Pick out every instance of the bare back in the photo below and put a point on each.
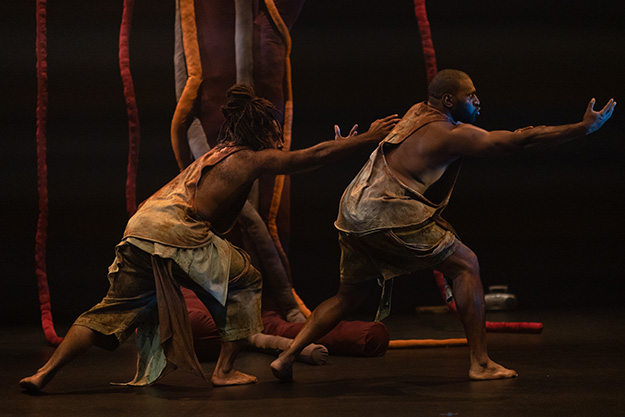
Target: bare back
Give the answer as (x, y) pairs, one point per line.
(223, 189)
(422, 158)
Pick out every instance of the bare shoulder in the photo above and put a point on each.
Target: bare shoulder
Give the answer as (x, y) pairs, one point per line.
(251, 163)
(252, 159)
(456, 138)
(270, 161)
(442, 142)
(433, 137)
(259, 160)
(464, 131)
(239, 166)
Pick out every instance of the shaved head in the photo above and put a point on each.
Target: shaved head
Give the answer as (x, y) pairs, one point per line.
(447, 81)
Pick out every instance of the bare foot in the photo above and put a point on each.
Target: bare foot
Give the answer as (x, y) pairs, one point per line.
(282, 368)
(36, 382)
(489, 371)
(234, 377)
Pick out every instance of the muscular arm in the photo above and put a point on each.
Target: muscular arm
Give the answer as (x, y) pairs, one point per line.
(228, 183)
(272, 161)
(473, 141)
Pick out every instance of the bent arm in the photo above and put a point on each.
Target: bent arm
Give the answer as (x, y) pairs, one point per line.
(473, 141)
(272, 161)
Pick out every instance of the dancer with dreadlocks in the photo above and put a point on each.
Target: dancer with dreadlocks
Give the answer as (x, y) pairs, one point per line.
(174, 240)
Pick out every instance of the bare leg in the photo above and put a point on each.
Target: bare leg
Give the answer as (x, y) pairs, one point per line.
(225, 374)
(77, 341)
(323, 319)
(463, 268)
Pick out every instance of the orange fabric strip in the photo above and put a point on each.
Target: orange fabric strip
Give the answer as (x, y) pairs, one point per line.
(191, 89)
(414, 343)
(288, 87)
(305, 311)
(287, 129)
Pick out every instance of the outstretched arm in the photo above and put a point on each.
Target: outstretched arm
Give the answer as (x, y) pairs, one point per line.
(473, 141)
(272, 161)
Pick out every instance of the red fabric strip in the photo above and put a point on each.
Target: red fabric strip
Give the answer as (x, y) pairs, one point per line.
(131, 108)
(42, 175)
(426, 39)
(491, 326)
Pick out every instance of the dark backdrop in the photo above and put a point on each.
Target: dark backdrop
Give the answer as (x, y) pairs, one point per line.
(547, 224)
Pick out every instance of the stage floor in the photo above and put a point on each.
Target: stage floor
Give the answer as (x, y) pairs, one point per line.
(574, 368)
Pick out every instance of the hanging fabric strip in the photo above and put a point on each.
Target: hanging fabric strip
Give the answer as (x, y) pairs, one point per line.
(288, 122)
(42, 175)
(244, 41)
(131, 108)
(426, 39)
(288, 87)
(198, 144)
(191, 90)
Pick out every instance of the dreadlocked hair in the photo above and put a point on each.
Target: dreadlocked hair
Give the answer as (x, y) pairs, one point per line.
(250, 120)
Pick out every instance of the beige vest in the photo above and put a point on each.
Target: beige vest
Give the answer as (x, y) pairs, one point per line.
(170, 215)
(376, 199)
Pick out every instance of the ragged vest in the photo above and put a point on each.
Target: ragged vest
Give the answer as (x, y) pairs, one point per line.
(376, 199)
(170, 215)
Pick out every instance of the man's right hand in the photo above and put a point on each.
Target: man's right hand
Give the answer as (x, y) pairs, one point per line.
(593, 120)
